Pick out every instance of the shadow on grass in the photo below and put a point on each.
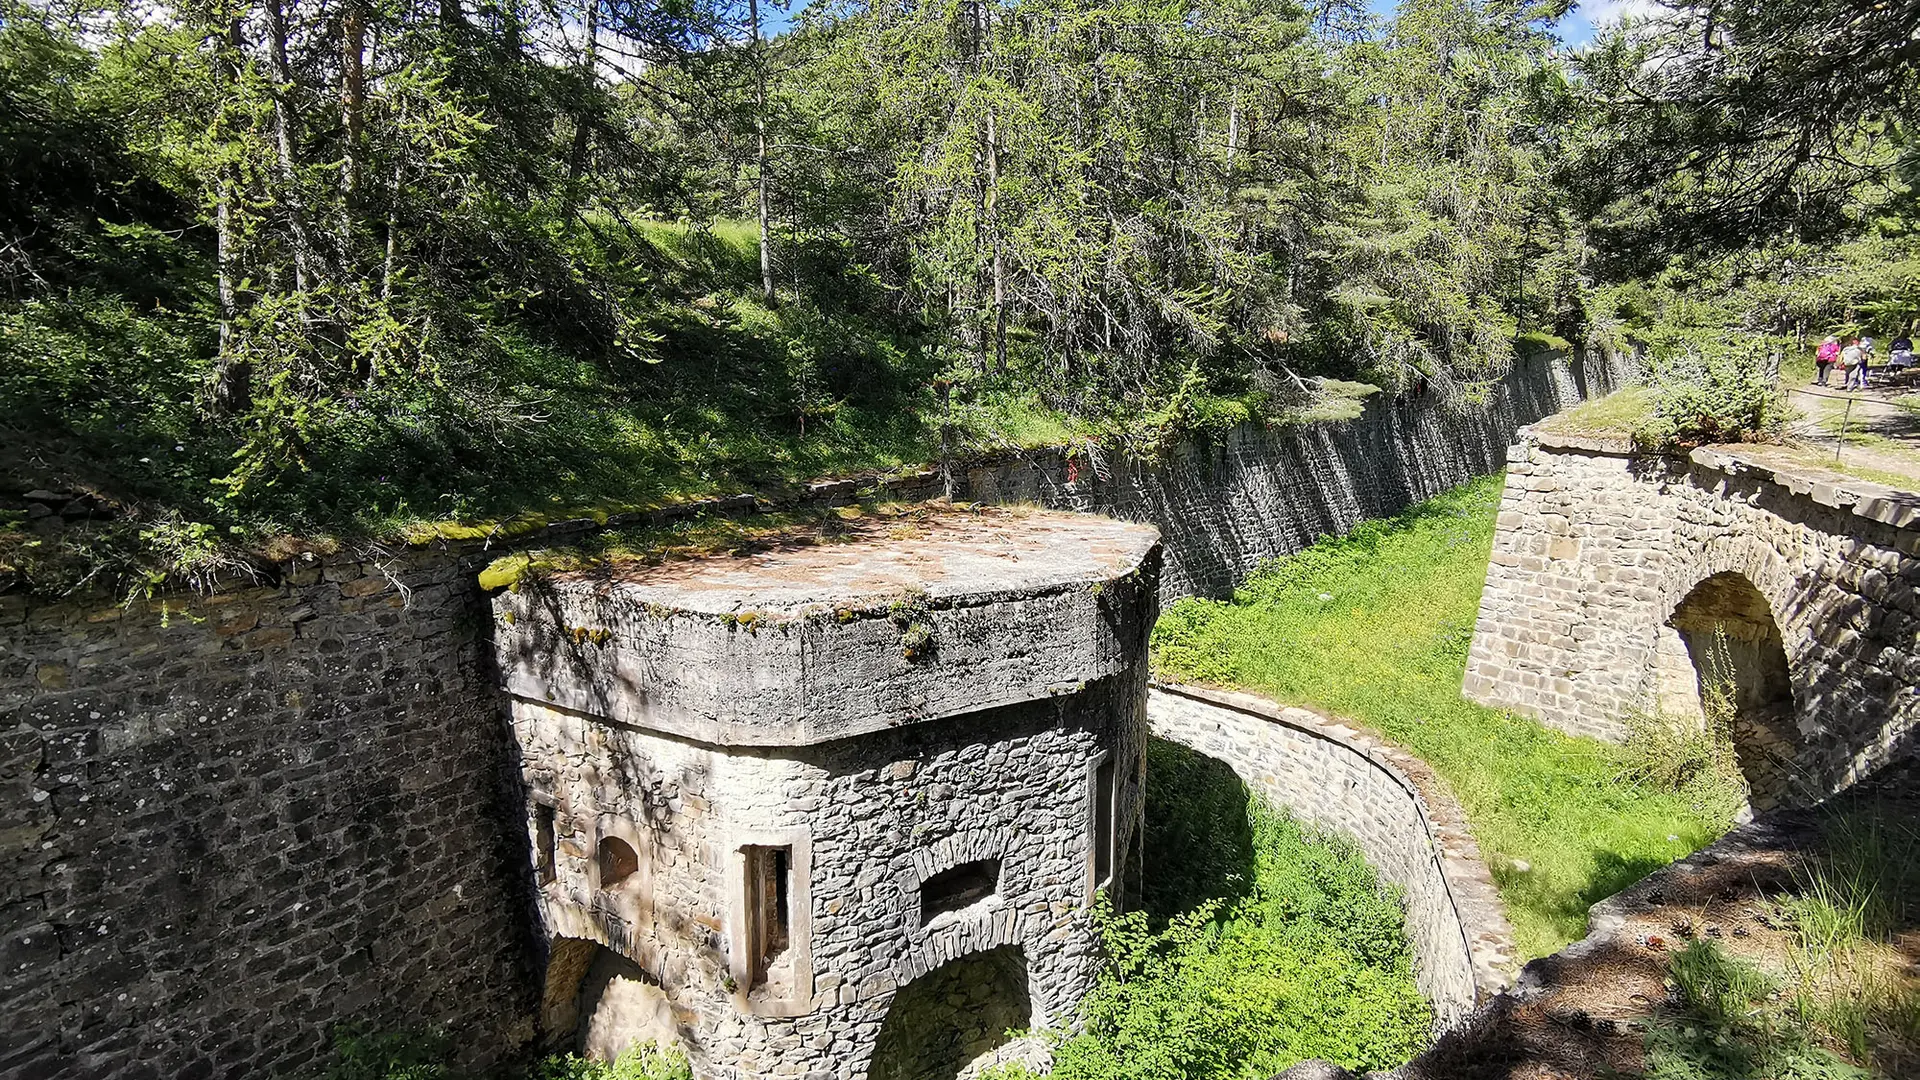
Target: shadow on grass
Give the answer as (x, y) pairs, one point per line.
(1199, 839)
(1566, 907)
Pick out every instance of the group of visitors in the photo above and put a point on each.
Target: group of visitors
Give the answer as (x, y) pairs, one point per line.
(1856, 357)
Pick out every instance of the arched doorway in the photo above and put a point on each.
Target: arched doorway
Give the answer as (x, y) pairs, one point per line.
(1721, 658)
(953, 1017)
(598, 1003)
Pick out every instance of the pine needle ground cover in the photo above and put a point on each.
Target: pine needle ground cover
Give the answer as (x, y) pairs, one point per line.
(1375, 626)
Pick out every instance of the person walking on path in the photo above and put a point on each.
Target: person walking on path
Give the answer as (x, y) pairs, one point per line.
(1824, 360)
(1854, 359)
(1900, 353)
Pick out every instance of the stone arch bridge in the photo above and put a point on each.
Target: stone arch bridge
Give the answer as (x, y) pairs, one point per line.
(1730, 582)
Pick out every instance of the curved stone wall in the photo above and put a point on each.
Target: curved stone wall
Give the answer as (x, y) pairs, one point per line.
(1605, 560)
(1388, 802)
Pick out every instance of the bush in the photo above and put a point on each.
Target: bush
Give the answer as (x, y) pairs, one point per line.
(1719, 394)
(1298, 953)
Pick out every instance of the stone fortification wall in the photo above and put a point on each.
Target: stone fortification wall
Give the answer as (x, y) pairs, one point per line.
(1615, 577)
(230, 822)
(233, 822)
(877, 815)
(1223, 506)
(1392, 806)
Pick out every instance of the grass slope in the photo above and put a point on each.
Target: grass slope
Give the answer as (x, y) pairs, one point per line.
(1375, 626)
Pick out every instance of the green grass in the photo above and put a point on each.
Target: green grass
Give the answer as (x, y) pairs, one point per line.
(425, 1055)
(1260, 943)
(1375, 627)
(1627, 411)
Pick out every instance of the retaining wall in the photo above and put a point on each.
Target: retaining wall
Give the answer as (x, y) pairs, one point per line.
(231, 823)
(1598, 547)
(1388, 802)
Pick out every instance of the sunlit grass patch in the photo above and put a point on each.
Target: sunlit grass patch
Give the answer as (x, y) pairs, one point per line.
(1627, 411)
(1375, 626)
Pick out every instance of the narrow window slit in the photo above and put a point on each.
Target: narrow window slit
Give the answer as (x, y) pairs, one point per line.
(957, 888)
(1103, 823)
(544, 860)
(769, 916)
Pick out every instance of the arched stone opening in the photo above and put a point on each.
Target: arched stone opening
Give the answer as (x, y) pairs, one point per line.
(598, 1003)
(1721, 654)
(950, 1022)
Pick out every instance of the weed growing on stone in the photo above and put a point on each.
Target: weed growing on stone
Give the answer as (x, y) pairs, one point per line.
(418, 1055)
(1692, 756)
(641, 1063)
(1375, 626)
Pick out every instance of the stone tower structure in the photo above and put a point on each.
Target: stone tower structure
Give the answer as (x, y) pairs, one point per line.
(840, 807)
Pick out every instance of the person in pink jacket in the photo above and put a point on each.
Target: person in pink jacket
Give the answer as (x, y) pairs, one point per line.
(1824, 360)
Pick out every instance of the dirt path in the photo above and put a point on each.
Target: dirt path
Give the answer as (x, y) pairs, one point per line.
(1872, 434)
(1586, 1011)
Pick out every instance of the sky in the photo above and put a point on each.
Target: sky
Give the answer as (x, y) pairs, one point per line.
(1579, 25)
(1576, 29)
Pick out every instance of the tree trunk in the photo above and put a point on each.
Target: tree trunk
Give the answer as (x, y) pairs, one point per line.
(393, 218)
(304, 274)
(1233, 125)
(353, 99)
(999, 249)
(583, 119)
(233, 376)
(760, 149)
(983, 53)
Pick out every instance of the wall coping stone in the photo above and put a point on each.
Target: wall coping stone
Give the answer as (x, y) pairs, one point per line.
(1888, 505)
(1483, 919)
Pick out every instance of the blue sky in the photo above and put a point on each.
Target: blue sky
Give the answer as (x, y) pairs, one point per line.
(1577, 28)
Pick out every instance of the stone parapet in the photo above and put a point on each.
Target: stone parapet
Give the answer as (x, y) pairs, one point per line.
(1388, 802)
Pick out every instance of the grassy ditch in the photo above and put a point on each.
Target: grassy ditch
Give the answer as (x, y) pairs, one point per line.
(1375, 626)
(362, 1055)
(1261, 943)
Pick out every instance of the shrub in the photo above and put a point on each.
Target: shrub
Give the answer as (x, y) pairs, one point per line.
(1298, 952)
(1718, 394)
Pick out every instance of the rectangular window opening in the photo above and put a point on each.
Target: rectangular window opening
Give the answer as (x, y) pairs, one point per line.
(957, 888)
(769, 918)
(1103, 779)
(543, 843)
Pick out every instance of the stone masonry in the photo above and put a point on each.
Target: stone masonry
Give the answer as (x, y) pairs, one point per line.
(825, 772)
(229, 823)
(1388, 802)
(302, 785)
(1621, 582)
